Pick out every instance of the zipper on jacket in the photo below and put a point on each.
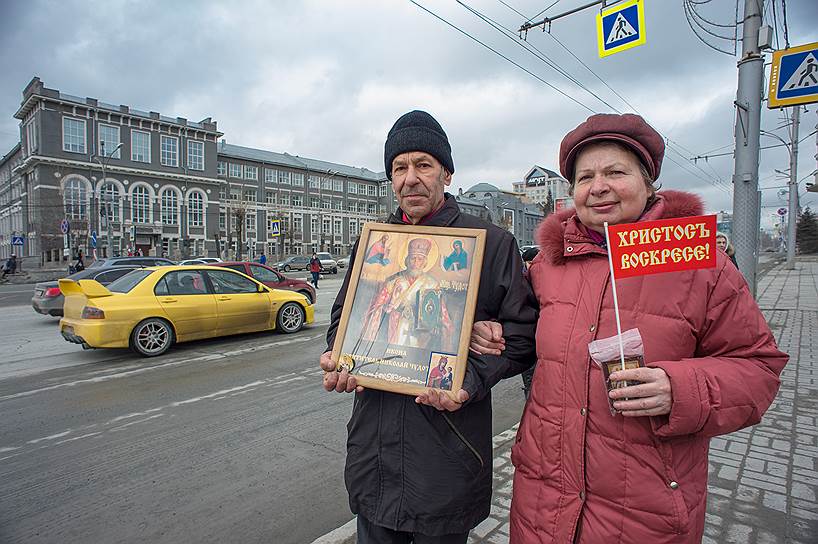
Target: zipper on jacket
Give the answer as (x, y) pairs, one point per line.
(464, 440)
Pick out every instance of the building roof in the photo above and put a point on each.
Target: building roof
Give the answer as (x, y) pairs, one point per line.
(483, 188)
(294, 161)
(540, 172)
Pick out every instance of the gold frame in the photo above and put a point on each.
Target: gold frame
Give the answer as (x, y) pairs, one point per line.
(378, 279)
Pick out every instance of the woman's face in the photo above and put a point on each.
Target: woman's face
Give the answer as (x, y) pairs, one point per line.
(608, 186)
(721, 243)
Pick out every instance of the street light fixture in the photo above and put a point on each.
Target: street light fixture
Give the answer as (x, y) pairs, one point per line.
(108, 216)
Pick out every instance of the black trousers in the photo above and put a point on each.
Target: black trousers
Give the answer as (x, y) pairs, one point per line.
(369, 533)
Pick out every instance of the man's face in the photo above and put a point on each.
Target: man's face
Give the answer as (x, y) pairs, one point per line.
(419, 180)
(415, 263)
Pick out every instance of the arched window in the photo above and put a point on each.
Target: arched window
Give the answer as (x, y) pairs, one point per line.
(195, 210)
(170, 207)
(140, 204)
(75, 199)
(109, 201)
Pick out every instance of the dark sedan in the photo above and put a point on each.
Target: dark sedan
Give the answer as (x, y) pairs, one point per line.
(269, 277)
(48, 299)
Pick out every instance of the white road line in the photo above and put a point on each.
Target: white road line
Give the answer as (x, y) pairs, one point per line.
(160, 366)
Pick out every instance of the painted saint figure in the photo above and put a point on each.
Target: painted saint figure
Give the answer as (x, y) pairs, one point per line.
(397, 304)
(457, 259)
(438, 373)
(378, 253)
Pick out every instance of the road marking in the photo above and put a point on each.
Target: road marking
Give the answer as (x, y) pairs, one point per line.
(161, 366)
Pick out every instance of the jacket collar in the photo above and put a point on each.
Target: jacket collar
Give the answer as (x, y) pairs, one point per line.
(443, 217)
(562, 236)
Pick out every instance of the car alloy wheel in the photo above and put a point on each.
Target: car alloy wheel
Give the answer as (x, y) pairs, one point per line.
(152, 337)
(290, 318)
(286, 268)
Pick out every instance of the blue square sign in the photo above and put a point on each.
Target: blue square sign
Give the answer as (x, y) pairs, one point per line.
(794, 76)
(620, 27)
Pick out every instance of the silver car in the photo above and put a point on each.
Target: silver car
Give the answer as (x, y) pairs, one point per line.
(48, 299)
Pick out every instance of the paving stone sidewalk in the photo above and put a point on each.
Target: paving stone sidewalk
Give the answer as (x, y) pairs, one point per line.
(763, 480)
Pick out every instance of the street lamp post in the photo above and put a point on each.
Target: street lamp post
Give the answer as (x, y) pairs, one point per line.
(108, 216)
(792, 211)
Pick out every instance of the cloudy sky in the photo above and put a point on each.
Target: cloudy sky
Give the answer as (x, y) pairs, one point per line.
(327, 78)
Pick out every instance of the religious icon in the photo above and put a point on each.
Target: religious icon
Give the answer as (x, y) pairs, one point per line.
(410, 305)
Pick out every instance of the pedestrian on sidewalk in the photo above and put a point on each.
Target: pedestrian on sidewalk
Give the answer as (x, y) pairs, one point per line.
(11, 265)
(419, 469)
(315, 269)
(723, 243)
(262, 259)
(582, 474)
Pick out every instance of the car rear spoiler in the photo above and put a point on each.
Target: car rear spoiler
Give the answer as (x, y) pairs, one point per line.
(89, 288)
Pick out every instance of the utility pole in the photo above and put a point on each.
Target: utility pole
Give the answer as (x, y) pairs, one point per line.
(746, 199)
(793, 207)
(109, 216)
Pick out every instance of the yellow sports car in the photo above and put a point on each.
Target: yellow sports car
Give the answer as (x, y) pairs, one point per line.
(150, 309)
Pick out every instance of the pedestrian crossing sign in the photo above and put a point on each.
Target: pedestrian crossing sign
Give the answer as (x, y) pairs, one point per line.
(620, 27)
(794, 76)
(275, 227)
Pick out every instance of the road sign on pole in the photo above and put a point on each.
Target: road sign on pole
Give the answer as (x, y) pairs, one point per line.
(782, 211)
(93, 240)
(65, 226)
(794, 76)
(16, 239)
(275, 227)
(620, 27)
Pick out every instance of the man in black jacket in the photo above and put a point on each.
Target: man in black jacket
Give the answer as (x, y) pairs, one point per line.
(420, 469)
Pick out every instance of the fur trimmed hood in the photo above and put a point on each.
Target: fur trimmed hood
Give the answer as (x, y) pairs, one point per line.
(561, 228)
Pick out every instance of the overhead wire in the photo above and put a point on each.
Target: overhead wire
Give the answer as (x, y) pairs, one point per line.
(692, 22)
(718, 180)
(526, 70)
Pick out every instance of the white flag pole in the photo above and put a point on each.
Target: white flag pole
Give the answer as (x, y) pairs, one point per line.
(616, 301)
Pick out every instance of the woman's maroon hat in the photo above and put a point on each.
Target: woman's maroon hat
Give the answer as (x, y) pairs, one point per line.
(628, 129)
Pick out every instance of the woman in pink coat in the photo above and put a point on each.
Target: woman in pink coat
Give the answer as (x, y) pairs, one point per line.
(712, 365)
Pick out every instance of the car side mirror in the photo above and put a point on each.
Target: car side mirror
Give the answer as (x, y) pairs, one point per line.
(261, 289)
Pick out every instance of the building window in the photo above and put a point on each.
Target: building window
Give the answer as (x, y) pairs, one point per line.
(326, 204)
(372, 209)
(140, 146)
(108, 140)
(223, 192)
(298, 224)
(353, 188)
(31, 137)
(382, 189)
(283, 177)
(371, 190)
(315, 182)
(270, 175)
(235, 194)
(285, 199)
(250, 195)
(140, 204)
(338, 185)
(326, 184)
(298, 179)
(338, 204)
(250, 222)
(313, 225)
(251, 172)
(235, 170)
(73, 135)
(315, 203)
(75, 198)
(297, 201)
(338, 227)
(169, 150)
(221, 168)
(327, 225)
(170, 207)
(195, 155)
(353, 228)
(222, 220)
(195, 210)
(110, 201)
(270, 197)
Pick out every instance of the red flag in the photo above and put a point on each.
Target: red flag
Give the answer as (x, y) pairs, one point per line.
(668, 245)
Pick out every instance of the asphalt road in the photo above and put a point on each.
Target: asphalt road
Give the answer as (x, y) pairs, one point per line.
(224, 440)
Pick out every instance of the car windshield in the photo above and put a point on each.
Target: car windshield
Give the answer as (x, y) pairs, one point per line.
(324, 255)
(128, 281)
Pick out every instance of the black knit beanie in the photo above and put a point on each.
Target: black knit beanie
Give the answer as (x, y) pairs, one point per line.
(417, 131)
